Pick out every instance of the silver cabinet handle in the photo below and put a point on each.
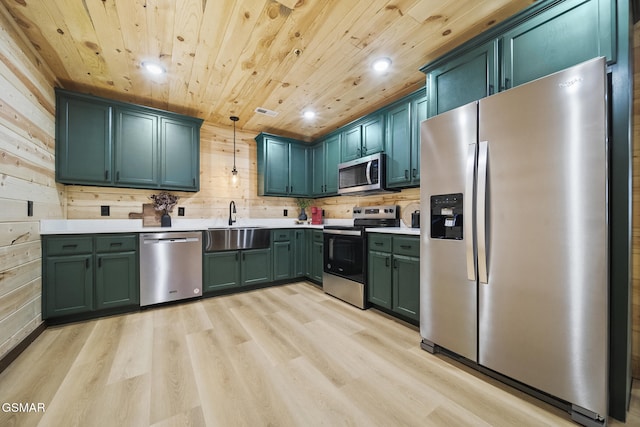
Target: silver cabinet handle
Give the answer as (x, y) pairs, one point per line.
(483, 158)
(468, 202)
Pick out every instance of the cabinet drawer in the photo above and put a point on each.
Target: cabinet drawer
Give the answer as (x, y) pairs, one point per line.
(380, 242)
(409, 246)
(280, 235)
(119, 243)
(317, 236)
(69, 245)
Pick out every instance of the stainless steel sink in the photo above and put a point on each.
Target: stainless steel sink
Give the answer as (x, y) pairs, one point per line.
(233, 238)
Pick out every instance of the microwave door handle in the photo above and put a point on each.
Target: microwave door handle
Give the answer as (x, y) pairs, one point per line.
(369, 180)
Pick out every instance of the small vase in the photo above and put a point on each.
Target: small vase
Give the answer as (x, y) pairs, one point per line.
(165, 220)
(303, 215)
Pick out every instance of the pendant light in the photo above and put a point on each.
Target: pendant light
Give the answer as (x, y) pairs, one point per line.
(234, 171)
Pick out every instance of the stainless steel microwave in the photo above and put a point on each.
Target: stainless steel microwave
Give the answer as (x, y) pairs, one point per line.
(363, 175)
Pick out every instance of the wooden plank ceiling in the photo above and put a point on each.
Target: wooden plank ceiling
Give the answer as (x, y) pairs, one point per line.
(228, 57)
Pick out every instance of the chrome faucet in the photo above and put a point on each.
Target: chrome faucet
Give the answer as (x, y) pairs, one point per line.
(232, 209)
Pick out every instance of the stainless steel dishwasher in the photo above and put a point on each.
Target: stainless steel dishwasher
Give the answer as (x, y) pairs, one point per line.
(170, 266)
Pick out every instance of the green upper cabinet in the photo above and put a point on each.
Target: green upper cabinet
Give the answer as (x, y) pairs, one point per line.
(83, 141)
(363, 138)
(317, 170)
(298, 170)
(403, 140)
(547, 37)
(463, 79)
(136, 148)
(179, 154)
(325, 157)
(110, 143)
(570, 33)
(282, 166)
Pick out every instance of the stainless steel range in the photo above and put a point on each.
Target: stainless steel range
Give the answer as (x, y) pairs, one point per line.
(345, 253)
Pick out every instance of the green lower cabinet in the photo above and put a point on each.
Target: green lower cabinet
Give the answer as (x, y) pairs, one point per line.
(393, 274)
(255, 266)
(221, 270)
(83, 274)
(406, 292)
(68, 285)
(380, 279)
(282, 266)
(299, 253)
(317, 257)
(115, 273)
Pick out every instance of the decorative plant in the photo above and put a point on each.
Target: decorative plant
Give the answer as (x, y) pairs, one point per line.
(303, 203)
(164, 201)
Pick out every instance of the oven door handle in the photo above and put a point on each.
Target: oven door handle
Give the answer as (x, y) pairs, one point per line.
(357, 233)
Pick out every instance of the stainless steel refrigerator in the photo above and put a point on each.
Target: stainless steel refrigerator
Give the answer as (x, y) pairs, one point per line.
(514, 250)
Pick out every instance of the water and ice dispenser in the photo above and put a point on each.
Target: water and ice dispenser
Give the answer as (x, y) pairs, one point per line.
(446, 216)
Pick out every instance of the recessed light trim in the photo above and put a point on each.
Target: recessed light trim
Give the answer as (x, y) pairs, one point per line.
(381, 65)
(308, 114)
(153, 68)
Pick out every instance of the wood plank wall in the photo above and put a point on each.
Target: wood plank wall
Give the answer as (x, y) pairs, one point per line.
(635, 352)
(27, 126)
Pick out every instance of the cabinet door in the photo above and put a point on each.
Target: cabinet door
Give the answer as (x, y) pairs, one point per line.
(379, 278)
(331, 161)
(277, 167)
(372, 136)
(406, 286)
(317, 170)
(351, 144)
(298, 171)
(462, 80)
(136, 148)
(256, 266)
(117, 280)
(572, 32)
(317, 259)
(418, 114)
(221, 270)
(399, 145)
(68, 288)
(299, 253)
(180, 155)
(83, 141)
(282, 260)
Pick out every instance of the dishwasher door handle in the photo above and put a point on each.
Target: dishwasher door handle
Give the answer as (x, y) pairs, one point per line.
(172, 240)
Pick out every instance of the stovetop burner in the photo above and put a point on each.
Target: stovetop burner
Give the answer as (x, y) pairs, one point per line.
(371, 217)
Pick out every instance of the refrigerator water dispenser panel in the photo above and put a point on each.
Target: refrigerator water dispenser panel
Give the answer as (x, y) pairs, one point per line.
(446, 216)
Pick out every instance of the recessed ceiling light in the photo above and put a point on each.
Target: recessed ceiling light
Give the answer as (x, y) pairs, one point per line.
(309, 114)
(153, 67)
(381, 64)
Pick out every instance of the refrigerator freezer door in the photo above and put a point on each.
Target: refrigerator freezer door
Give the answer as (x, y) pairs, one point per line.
(448, 299)
(543, 313)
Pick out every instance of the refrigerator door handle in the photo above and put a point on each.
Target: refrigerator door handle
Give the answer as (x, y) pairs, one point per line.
(468, 202)
(481, 212)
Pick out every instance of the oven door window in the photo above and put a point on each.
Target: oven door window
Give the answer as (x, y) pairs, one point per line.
(343, 256)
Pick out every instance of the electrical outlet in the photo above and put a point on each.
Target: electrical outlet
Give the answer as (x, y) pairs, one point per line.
(180, 211)
(29, 208)
(285, 212)
(105, 211)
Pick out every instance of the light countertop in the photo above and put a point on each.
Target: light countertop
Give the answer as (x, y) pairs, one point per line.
(395, 230)
(92, 226)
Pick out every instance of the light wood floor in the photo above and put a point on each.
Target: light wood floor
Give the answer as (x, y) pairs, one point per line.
(283, 356)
